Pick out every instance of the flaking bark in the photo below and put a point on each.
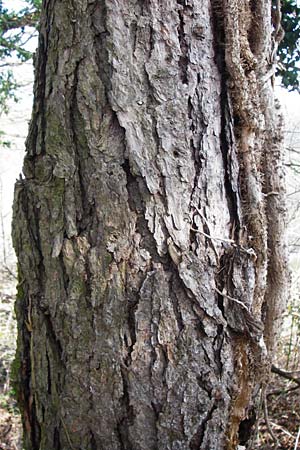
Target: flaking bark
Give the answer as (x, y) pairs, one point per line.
(150, 248)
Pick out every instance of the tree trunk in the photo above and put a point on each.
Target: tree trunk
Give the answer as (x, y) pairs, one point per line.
(149, 226)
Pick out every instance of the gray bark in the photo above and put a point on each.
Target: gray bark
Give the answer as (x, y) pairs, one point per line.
(148, 227)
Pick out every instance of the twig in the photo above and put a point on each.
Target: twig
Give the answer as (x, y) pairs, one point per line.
(231, 298)
(268, 194)
(214, 238)
(209, 236)
(11, 273)
(297, 439)
(281, 428)
(266, 417)
(5, 432)
(232, 242)
(285, 391)
(66, 432)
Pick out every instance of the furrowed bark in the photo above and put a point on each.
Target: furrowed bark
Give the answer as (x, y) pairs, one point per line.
(145, 226)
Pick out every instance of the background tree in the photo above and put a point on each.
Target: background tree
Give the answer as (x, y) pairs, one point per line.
(149, 226)
(289, 47)
(13, 39)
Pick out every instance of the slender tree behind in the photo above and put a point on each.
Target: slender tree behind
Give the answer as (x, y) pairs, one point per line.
(149, 226)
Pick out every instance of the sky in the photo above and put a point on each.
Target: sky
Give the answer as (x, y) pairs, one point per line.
(14, 4)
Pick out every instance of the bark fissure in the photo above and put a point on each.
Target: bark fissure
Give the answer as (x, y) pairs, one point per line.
(184, 58)
(101, 35)
(56, 439)
(176, 303)
(48, 374)
(79, 155)
(197, 439)
(128, 418)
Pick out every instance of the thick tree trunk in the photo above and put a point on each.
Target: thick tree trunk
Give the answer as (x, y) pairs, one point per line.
(148, 227)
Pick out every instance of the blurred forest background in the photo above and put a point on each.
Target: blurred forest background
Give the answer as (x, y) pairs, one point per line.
(279, 424)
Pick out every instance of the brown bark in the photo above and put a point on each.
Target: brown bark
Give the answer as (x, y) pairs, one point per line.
(149, 242)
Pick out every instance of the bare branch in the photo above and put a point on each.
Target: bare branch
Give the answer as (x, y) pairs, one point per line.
(266, 417)
(283, 391)
(285, 374)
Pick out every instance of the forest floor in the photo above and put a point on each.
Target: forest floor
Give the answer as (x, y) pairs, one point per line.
(279, 432)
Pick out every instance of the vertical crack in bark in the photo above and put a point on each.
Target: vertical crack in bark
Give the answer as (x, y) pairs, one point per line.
(56, 439)
(134, 202)
(41, 94)
(37, 129)
(197, 439)
(228, 148)
(154, 130)
(133, 33)
(79, 156)
(132, 187)
(154, 347)
(184, 58)
(93, 441)
(175, 283)
(132, 332)
(35, 432)
(99, 24)
(195, 149)
(49, 382)
(226, 137)
(38, 123)
(217, 346)
(129, 416)
(53, 339)
(151, 40)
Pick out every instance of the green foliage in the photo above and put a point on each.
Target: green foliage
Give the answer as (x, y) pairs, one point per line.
(4, 142)
(289, 48)
(8, 87)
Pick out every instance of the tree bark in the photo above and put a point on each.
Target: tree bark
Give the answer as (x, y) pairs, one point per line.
(149, 226)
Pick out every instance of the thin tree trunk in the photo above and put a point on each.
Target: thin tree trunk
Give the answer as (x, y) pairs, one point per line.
(148, 227)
